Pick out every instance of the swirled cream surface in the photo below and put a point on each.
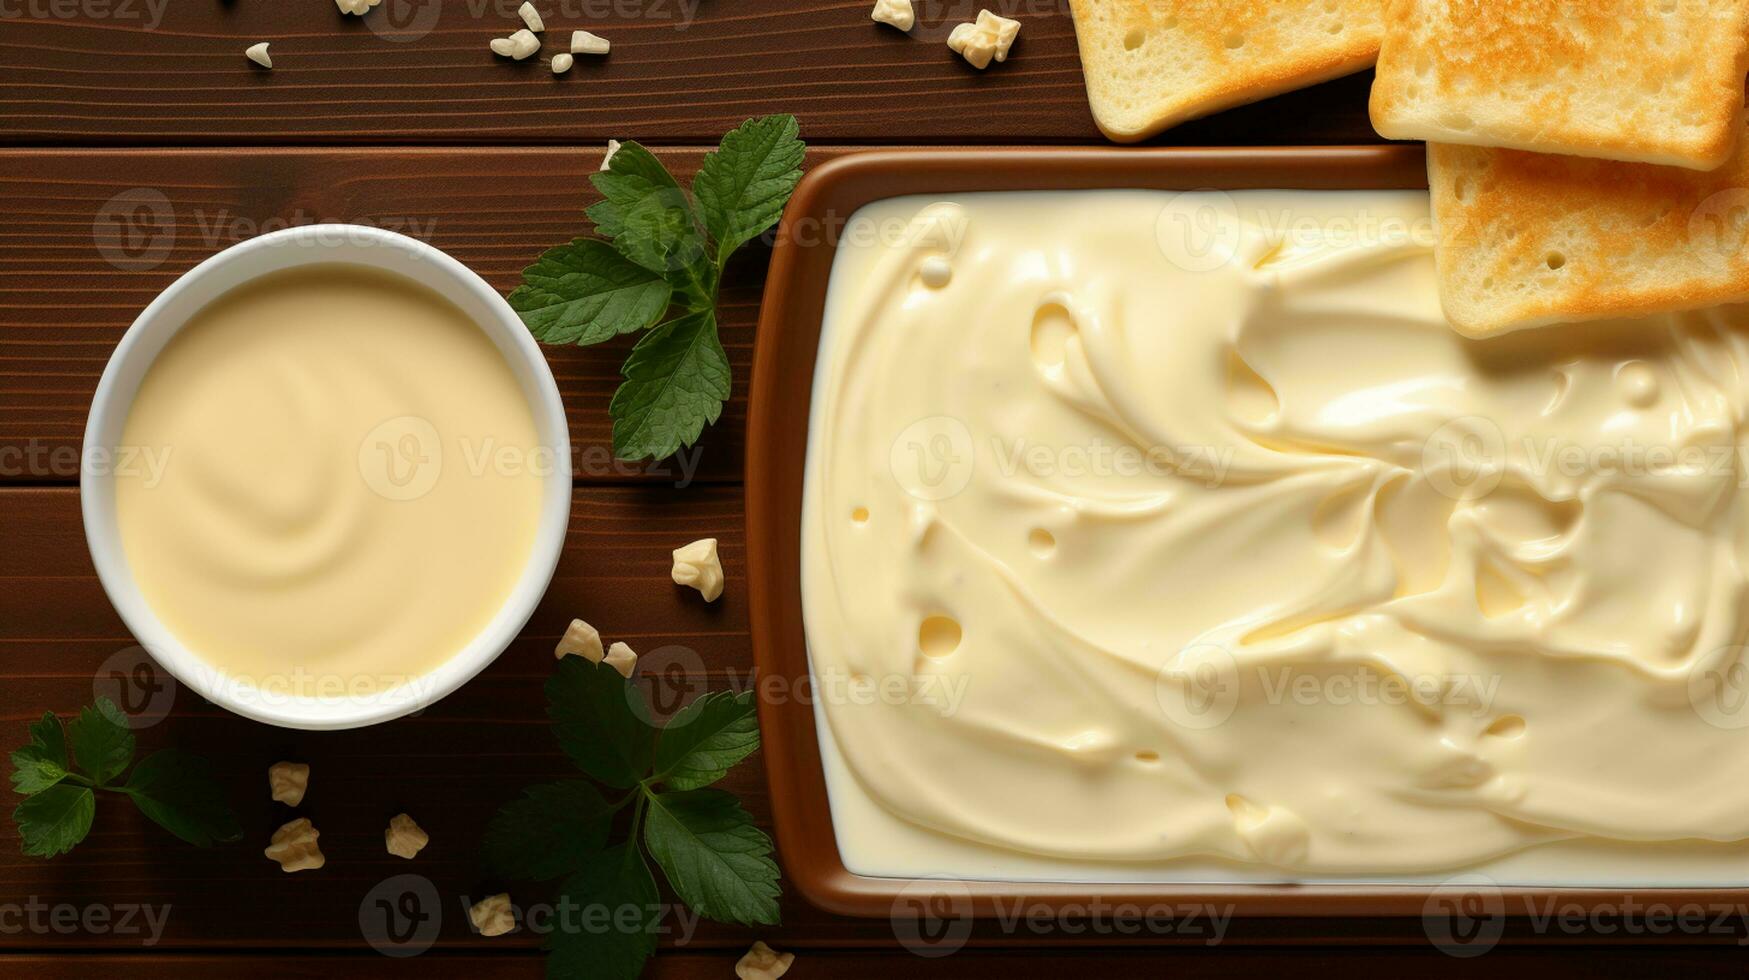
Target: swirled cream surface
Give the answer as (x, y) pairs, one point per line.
(346, 492)
(1154, 536)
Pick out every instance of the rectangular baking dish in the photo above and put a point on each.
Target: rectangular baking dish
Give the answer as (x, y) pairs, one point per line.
(785, 355)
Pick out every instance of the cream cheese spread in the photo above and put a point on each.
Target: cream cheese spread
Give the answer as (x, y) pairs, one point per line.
(1148, 531)
(350, 487)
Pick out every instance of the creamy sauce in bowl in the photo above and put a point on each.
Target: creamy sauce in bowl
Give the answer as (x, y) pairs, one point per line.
(348, 485)
(1149, 535)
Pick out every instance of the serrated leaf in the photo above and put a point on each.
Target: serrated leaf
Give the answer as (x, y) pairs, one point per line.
(648, 215)
(595, 723)
(663, 236)
(177, 791)
(613, 932)
(676, 381)
(54, 820)
(717, 861)
(43, 762)
(586, 292)
(743, 185)
(633, 174)
(549, 833)
(103, 745)
(705, 739)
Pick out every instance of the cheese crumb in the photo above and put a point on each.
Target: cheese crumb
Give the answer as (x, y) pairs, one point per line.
(258, 54)
(763, 963)
(531, 17)
(294, 847)
(357, 8)
(580, 640)
(989, 38)
(697, 565)
(404, 838)
(1004, 29)
(519, 45)
(493, 915)
(621, 658)
(288, 781)
(898, 13)
(583, 42)
(562, 63)
(612, 148)
(973, 44)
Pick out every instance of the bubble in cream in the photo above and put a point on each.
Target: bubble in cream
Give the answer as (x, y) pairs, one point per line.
(935, 272)
(1638, 385)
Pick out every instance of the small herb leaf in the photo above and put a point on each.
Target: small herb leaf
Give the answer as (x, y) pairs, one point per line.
(586, 292)
(648, 214)
(54, 820)
(677, 376)
(632, 175)
(549, 833)
(705, 739)
(102, 743)
(43, 762)
(177, 791)
(717, 861)
(744, 184)
(616, 931)
(661, 235)
(594, 722)
(676, 381)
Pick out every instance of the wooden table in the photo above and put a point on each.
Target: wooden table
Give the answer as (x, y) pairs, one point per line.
(135, 140)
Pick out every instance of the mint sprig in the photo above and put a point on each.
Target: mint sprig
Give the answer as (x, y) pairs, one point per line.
(61, 771)
(660, 266)
(704, 842)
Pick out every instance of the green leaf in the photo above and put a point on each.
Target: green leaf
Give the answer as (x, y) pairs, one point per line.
(43, 762)
(663, 236)
(54, 820)
(102, 743)
(744, 184)
(717, 861)
(613, 932)
(591, 710)
(177, 791)
(586, 292)
(633, 174)
(677, 378)
(706, 738)
(650, 218)
(549, 833)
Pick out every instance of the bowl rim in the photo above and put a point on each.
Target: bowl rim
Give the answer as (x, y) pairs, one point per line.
(785, 355)
(278, 251)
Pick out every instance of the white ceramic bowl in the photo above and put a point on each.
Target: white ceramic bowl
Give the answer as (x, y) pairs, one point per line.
(288, 249)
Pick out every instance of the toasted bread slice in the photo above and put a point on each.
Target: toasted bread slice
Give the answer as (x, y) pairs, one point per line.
(1651, 81)
(1527, 239)
(1152, 64)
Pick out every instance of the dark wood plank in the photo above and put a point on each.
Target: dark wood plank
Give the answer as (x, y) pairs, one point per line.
(155, 72)
(88, 238)
(1310, 963)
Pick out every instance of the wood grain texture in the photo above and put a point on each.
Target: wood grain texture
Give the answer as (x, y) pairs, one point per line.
(156, 72)
(89, 238)
(1299, 962)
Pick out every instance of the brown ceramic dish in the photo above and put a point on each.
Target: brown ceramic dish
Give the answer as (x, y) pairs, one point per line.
(784, 360)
